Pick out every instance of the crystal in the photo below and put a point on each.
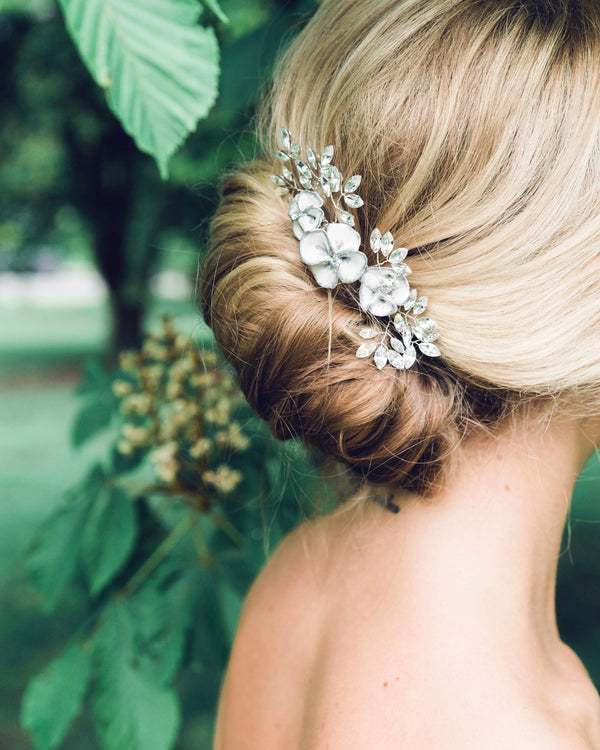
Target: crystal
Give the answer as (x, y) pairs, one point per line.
(303, 169)
(286, 138)
(347, 218)
(326, 187)
(398, 255)
(387, 244)
(396, 360)
(429, 338)
(401, 326)
(282, 155)
(287, 174)
(305, 181)
(420, 305)
(312, 158)
(352, 183)
(427, 325)
(365, 350)
(369, 333)
(397, 345)
(327, 155)
(381, 357)
(278, 180)
(355, 201)
(411, 300)
(410, 357)
(376, 240)
(295, 151)
(332, 174)
(402, 269)
(430, 350)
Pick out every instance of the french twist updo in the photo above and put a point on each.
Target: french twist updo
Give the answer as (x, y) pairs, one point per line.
(475, 127)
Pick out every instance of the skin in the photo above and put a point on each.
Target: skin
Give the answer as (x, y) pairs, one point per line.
(433, 628)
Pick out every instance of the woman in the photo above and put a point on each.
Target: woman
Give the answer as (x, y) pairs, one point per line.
(475, 127)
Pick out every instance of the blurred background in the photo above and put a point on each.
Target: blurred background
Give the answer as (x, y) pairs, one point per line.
(95, 248)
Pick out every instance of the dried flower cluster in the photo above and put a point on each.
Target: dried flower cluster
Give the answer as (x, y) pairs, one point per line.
(178, 405)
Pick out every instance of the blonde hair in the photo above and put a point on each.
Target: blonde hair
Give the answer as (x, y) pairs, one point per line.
(476, 128)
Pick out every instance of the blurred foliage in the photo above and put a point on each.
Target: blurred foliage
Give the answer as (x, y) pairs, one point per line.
(74, 182)
(161, 540)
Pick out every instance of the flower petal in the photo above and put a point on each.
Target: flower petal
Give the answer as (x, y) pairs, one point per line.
(351, 266)
(314, 248)
(373, 277)
(297, 229)
(325, 275)
(307, 199)
(343, 238)
(365, 296)
(294, 210)
(401, 294)
(311, 219)
(382, 306)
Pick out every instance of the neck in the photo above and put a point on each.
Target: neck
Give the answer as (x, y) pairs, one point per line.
(478, 561)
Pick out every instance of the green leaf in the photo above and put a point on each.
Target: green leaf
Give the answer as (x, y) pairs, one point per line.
(159, 67)
(215, 8)
(162, 611)
(91, 419)
(108, 537)
(54, 697)
(130, 711)
(54, 553)
(231, 606)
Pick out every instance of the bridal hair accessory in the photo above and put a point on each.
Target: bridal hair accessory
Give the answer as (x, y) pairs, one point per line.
(331, 251)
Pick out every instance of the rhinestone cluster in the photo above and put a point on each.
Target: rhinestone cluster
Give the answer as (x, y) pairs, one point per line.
(331, 250)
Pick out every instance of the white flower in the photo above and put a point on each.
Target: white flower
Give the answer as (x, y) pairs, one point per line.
(306, 212)
(333, 255)
(382, 291)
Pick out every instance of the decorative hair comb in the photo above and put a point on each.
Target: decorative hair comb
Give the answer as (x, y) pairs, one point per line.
(331, 251)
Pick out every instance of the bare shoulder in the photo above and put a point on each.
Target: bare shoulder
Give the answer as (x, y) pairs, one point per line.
(273, 647)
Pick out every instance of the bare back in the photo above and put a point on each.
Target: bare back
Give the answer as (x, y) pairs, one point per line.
(322, 662)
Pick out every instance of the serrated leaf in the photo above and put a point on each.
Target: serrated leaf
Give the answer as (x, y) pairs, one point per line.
(162, 611)
(108, 537)
(216, 9)
(54, 697)
(158, 66)
(90, 420)
(54, 552)
(130, 711)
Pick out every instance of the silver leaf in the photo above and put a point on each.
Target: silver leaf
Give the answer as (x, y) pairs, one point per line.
(286, 138)
(402, 269)
(387, 244)
(296, 150)
(352, 183)
(347, 218)
(355, 201)
(397, 345)
(396, 360)
(287, 174)
(327, 155)
(420, 305)
(430, 350)
(312, 158)
(411, 300)
(401, 326)
(381, 357)
(278, 180)
(365, 350)
(376, 240)
(398, 255)
(369, 333)
(410, 357)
